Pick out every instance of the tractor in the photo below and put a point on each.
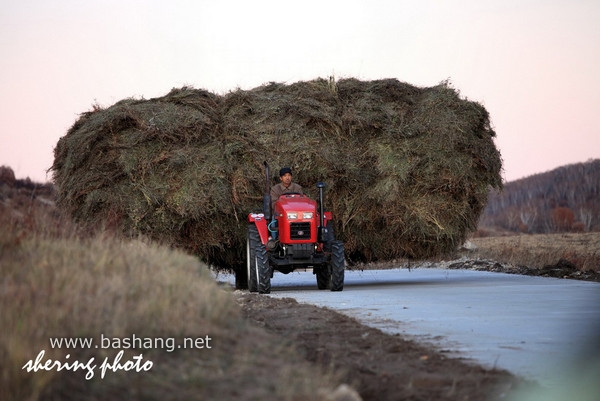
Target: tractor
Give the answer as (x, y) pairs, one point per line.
(296, 234)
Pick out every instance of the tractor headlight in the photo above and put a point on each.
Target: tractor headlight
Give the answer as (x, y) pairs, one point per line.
(307, 215)
(292, 216)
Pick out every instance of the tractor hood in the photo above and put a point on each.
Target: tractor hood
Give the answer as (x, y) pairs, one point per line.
(295, 203)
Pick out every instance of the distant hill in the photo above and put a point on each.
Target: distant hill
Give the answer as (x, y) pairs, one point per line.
(566, 199)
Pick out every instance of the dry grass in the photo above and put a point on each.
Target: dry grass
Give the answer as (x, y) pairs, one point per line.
(60, 284)
(580, 249)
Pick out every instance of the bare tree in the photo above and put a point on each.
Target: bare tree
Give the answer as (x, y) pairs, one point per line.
(529, 216)
(586, 215)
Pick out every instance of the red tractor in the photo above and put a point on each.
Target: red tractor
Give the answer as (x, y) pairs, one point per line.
(297, 234)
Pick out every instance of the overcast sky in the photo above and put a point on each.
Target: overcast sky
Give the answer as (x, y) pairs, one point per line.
(534, 64)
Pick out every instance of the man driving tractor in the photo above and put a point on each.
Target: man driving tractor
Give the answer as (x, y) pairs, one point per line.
(286, 186)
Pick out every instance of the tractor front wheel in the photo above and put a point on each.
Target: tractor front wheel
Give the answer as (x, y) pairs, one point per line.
(337, 264)
(263, 269)
(252, 240)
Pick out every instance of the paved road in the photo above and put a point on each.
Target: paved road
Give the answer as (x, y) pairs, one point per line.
(531, 326)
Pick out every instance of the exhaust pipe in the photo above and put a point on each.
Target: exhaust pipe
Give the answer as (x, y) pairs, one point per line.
(322, 229)
(267, 195)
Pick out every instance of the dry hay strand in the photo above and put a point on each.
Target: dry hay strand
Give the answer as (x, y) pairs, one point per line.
(407, 169)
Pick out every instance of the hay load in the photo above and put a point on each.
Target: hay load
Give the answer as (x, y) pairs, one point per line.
(407, 169)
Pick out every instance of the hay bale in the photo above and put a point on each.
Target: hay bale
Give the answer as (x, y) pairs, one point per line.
(408, 169)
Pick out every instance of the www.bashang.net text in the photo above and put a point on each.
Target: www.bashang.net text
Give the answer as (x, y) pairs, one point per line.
(137, 363)
(169, 344)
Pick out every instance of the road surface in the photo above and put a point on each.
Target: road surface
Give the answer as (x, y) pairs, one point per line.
(531, 326)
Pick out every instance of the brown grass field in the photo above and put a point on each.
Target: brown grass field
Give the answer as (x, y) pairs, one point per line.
(582, 250)
(560, 255)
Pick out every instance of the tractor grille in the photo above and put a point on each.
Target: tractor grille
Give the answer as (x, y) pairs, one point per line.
(300, 230)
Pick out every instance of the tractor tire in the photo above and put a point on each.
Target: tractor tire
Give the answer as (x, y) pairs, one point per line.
(263, 269)
(252, 241)
(329, 237)
(323, 277)
(337, 264)
(241, 278)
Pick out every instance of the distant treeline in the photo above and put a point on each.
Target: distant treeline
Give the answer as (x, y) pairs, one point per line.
(7, 178)
(566, 199)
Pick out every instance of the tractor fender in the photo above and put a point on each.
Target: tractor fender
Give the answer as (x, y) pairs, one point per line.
(261, 225)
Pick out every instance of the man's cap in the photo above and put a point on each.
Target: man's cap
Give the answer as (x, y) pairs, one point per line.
(285, 170)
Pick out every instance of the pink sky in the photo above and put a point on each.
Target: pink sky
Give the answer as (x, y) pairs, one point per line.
(534, 64)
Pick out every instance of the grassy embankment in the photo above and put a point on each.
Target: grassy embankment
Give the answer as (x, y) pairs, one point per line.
(54, 284)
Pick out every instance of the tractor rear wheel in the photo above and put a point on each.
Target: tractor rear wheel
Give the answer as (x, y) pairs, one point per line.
(337, 263)
(252, 241)
(263, 269)
(323, 277)
(241, 277)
